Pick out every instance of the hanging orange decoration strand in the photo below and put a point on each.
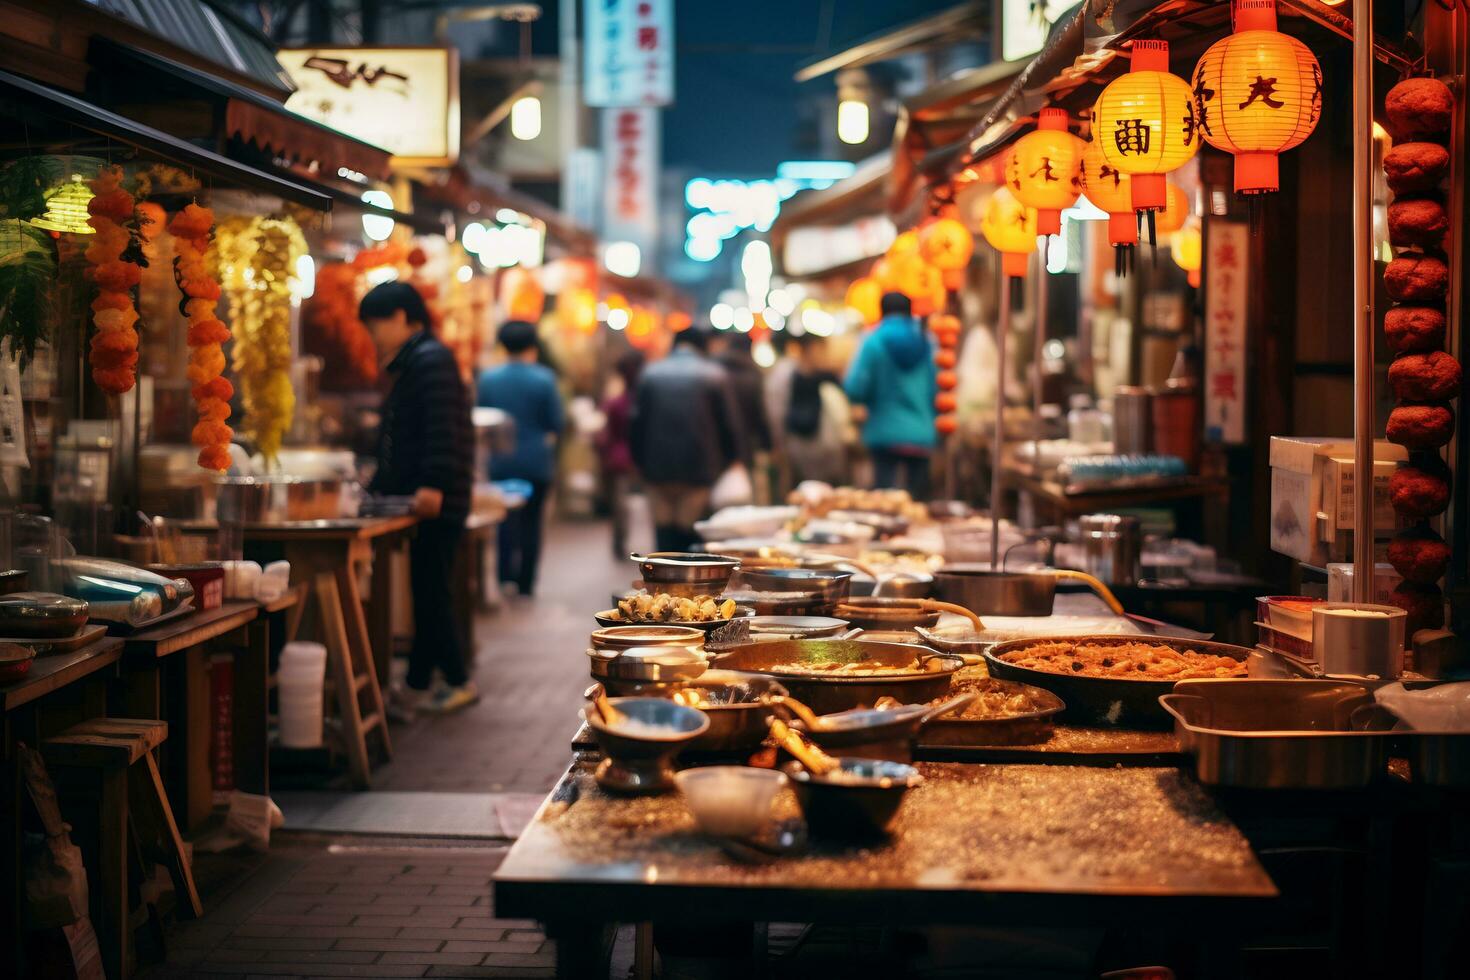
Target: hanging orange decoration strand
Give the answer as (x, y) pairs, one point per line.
(114, 355)
(212, 391)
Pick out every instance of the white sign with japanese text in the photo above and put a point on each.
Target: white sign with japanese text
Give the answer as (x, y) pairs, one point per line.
(630, 53)
(405, 100)
(1227, 245)
(630, 168)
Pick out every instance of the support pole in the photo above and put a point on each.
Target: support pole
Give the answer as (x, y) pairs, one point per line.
(1364, 417)
(1038, 342)
(1002, 327)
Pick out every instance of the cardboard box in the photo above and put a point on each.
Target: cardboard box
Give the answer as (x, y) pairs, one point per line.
(1312, 495)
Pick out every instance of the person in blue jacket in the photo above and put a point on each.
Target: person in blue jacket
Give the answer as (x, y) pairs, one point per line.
(526, 391)
(893, 378)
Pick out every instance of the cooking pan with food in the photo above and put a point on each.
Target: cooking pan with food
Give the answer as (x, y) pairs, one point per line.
(831, 675)
(1114, 681)
(873, 612)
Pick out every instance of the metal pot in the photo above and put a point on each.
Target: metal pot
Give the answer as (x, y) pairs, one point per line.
(1132, 420)
(825, 693)
(276, 499)
(1113, 547)
(988, 593)
(703, 573)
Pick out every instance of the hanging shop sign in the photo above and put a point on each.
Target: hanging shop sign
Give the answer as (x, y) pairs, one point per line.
(1227, 246)
(630, 147)
(405, 100)
(1024, 25)
(815, 249)
(630, 53)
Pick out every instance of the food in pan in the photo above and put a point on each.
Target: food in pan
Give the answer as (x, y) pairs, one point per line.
(1421, 426)
(1414, 328)
(1419, 107)
(1416, 221)
(902, 561)
(1416, 278)
(665, 608)
(857, 668)
(1419, 555)
(995, 699)
(1413, 167)
(1423, 602)
(1123, 661)
(1419, 491)
(1429, 377)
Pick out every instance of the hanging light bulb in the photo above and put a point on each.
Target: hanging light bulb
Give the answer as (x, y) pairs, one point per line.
(66, 208)
(852, 121)
(525, 118)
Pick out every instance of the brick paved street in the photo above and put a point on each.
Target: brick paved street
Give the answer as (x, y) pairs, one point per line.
(321, 905)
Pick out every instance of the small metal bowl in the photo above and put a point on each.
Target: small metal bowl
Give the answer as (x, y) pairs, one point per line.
(649, 635)
(640, 761)
(41, 615)
(855, 804)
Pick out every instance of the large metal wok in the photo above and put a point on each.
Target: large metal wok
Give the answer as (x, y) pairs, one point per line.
(926, 679)
(1104, 701)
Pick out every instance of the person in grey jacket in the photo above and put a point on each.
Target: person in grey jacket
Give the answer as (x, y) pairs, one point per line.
(685, 432)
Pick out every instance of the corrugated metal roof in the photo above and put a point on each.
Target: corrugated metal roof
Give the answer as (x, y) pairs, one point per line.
(209, 31)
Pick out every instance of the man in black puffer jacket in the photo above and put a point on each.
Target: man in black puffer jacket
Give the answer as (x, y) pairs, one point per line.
(425, 450)
(685, 432)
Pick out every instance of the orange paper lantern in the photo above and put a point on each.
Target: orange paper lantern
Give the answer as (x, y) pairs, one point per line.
(1187, 250)
(1175, 212)
(577, 309)
(1045, 170)
(678, 321)
(1110, 190)
(920, 282)
(1010, 228)
(523, 296)
(865, 297)
(1257, 93)
(946, 245)
(946, 424)
(905, 244)
(1144, 123)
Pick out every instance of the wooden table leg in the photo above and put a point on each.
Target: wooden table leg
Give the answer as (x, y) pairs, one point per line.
(339, 656)
(191, 788)
(359, 640)
(251, 737)
(110, 901)
(380, 608)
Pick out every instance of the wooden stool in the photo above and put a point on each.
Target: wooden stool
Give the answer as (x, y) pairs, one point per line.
(112, 747)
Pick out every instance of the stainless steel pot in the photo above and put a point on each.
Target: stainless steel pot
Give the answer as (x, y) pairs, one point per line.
(276, 499)
(701, 573)
(1113, 547)
(988, 593)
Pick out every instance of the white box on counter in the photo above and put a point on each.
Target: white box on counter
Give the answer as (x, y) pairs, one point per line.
(1312, 494)
(1340, 582)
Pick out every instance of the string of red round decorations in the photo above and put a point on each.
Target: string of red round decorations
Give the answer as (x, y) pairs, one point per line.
(212, 391)
(114, 353)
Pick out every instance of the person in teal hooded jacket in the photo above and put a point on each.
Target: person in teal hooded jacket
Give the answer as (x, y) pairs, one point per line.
(893, 378)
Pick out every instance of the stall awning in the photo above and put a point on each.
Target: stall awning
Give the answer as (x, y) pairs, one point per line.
(821, 231)
(209, 30)
(247, 116)
(50, 105)
(970, 21)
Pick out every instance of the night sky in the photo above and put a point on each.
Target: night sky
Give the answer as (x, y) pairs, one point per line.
(735, 109)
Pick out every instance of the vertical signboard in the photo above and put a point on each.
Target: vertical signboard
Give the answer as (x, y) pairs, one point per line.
(630, 158)
(629, 53)
(1226, 248)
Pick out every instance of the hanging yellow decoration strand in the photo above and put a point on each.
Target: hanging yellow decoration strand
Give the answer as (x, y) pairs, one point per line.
(257, 259)
(212, 391)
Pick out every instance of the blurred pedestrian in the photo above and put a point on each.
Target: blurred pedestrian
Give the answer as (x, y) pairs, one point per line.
(816, 419)
(525, 390)
(685, 434)
(733, 353)
(425, 448)
(615, 447)
(893, 378)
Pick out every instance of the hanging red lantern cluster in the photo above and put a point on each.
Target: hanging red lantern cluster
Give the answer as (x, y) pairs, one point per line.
(946, 329)
(1423, 376)
(1257, 93)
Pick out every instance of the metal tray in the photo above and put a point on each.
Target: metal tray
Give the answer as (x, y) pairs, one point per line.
(1280, 734)
(1104, 701)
